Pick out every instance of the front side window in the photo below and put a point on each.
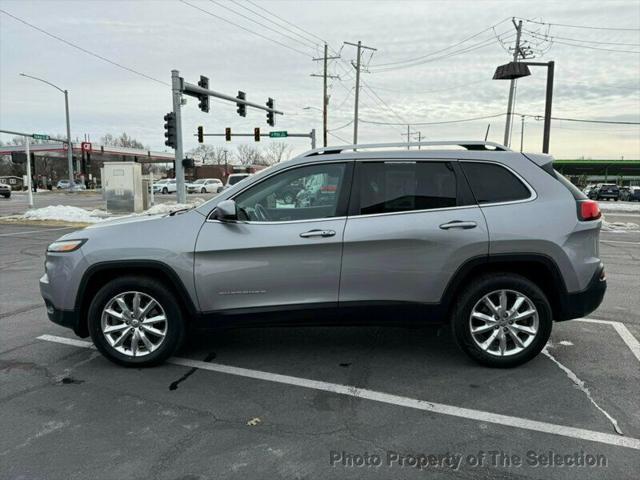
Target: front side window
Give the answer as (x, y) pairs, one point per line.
(303, 193)
(387, 187)
(492, 183)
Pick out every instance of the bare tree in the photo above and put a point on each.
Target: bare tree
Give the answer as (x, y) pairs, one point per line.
(212, 155)
(123, 140)
(248, 155)
(276, 152)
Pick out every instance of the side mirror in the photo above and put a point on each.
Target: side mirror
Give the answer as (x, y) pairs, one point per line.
(226, 210)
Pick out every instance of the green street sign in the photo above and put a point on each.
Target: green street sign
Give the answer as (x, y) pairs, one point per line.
(279, 134)
(40, 136)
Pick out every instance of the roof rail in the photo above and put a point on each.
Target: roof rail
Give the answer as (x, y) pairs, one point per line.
(468, 144)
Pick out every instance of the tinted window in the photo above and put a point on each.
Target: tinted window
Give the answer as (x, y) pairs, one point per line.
(404, 186)
(298, 194)
(492, 183)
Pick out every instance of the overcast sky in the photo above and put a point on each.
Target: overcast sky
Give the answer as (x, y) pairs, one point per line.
(154, 37)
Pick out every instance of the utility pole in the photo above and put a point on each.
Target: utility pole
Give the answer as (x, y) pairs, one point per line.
(357, 67)
(69, 145)
(325, 97)
(29, 181)
(176, 90)
(516, 53)
(408, 135)
(522, 133)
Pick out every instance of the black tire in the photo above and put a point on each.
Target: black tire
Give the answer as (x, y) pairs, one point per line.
(156, 289)
(203, 190)
(481, 286)
(165, 190)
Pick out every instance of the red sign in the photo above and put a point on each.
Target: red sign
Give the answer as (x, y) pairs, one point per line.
(85, 146)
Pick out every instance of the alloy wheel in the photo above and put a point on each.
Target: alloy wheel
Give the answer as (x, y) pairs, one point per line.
(504, 323)
(134, 323)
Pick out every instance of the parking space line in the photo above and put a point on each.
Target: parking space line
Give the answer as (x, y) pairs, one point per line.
(623, 331)
(620, 241)
(352, 391)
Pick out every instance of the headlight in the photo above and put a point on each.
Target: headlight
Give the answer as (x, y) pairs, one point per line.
(65, 246)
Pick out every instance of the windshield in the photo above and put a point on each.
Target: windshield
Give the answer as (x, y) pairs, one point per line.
(201, 180)
(233, 179)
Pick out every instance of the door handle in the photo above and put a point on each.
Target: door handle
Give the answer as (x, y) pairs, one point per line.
(458, 224)
(318, 233)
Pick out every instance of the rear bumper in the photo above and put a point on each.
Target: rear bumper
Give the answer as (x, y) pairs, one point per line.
(576, 305)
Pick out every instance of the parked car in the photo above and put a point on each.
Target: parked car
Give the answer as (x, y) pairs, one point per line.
(608, 191)
(235, 178)
(632, 194)
(65, 184)
(167, 185)
(494, 242)
(5, 190)
(205, 185)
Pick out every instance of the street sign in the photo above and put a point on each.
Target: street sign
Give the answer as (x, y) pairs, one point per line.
(40, 136)
(85, 147)
(279, 134)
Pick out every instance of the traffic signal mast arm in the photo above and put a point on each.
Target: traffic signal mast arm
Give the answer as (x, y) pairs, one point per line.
(197, 91)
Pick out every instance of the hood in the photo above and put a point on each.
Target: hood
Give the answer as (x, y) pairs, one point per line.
(126, 219)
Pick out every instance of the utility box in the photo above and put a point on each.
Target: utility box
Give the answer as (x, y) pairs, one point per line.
(122, 186)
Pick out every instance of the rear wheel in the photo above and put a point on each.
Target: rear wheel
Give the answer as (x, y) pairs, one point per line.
(502, 320)
(136, 322)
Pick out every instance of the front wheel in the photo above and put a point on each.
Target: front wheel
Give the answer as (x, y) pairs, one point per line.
(136, 322)
(165, 190)
(203, 190)
(502, 320)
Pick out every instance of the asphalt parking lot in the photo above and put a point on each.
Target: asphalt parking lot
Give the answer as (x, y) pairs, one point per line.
(318, 402)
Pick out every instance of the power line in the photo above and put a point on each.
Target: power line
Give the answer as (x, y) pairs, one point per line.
(245, 29)
(84, 50)
(410, 60)
(435, 123)
(258, 14)
(579, 26)
(551, 37)
(350, 122)
(478, 46)
(455, 87)
(554, 40)
(582, 120)
(307, 44)
(286, 21)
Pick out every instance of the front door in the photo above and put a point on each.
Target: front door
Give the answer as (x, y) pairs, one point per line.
(411, 225)
(277, 254)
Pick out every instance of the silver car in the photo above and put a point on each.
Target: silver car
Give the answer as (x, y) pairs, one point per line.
(491, 241)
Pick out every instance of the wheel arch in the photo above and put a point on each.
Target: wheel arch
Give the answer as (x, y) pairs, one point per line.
(99, 274)
(539, 268)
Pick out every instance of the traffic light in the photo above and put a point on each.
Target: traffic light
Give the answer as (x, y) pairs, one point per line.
(170, 130)
(227, 134)
(201, 134)
(256, 134)
(242, 108)
(271, 118)
(188, 162)
(204, 99)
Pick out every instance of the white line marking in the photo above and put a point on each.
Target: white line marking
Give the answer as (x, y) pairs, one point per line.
(352, 391)
(13, 234)
(619, 241)
(581, 385)
(623, 331)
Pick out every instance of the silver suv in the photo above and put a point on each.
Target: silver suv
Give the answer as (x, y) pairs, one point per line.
(492, 241)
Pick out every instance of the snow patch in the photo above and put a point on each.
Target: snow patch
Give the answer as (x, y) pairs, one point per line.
(620, 206)
(566, 343)
(619, 226)
(65, 213)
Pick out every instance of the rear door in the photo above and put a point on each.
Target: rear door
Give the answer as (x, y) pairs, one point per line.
(277, 254)
(411, 225)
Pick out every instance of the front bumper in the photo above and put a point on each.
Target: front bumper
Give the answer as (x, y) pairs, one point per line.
(576, 305)
(66, 318)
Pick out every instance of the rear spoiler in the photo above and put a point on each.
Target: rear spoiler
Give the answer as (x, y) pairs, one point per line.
(543, 160)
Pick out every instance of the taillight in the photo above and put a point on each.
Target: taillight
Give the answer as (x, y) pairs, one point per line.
(588, 210)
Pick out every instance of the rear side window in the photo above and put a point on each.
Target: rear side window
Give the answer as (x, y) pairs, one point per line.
(386, 187)
(492, 183)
